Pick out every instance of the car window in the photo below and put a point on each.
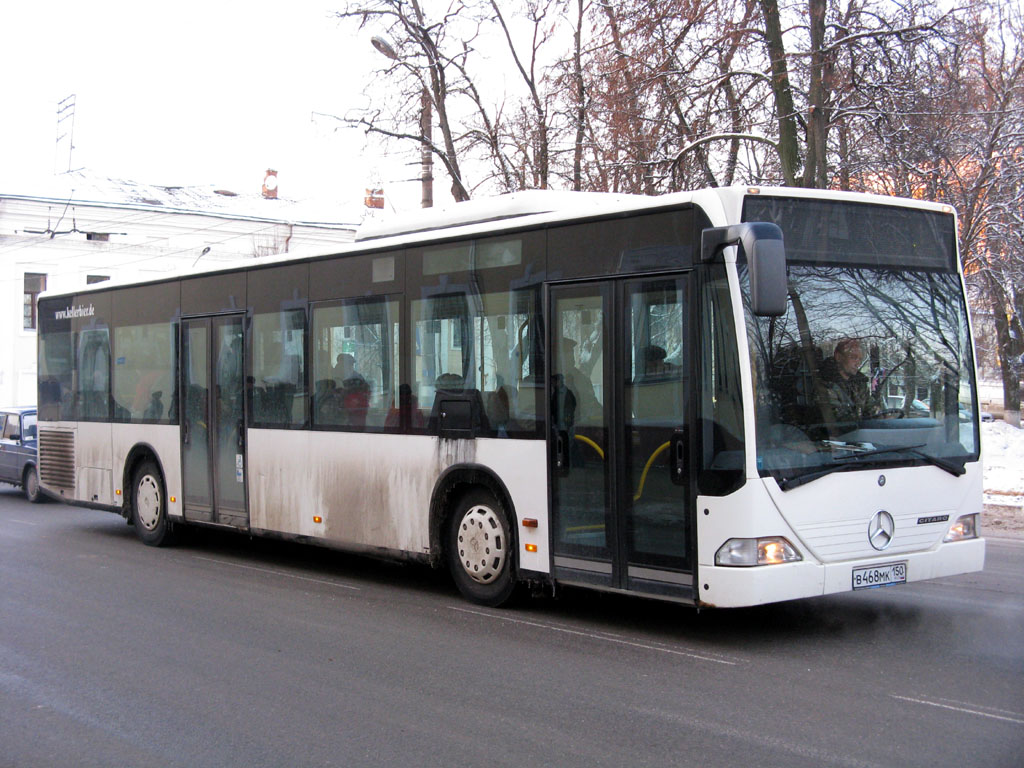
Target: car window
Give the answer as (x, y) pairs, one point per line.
(28, 426)
(3, 422)
(11, 427)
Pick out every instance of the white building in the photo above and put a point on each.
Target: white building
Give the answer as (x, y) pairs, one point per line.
(79, 228)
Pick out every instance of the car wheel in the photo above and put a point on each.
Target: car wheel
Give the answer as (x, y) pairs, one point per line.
(30, 485)
(149, 506)
(480, 552)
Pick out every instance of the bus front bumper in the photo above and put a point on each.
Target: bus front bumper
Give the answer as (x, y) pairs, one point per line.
(735, 587)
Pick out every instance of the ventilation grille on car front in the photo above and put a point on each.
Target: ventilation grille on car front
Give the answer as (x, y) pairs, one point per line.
(57, 459)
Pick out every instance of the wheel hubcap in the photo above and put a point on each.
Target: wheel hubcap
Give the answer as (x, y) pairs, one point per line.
(481, 544)
(147, 502)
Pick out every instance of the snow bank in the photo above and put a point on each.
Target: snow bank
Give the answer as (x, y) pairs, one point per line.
(1002, 454)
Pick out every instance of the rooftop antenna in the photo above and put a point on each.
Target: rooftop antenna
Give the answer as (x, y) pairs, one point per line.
(65, 112)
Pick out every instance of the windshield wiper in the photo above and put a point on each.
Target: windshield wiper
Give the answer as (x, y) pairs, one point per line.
(914, 450)
(842, 463)
(793, 481)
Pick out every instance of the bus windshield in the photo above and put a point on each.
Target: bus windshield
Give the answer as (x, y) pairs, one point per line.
(871, 364)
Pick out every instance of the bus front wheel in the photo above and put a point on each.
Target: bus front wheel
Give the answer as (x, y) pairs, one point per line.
(480, 553)
(149, 506)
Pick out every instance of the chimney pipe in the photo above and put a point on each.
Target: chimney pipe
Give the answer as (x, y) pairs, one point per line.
(270, 184)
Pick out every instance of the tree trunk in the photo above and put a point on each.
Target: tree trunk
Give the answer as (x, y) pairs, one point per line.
(1009, 368)
(815, 174)
(581, 100)
(789, 153)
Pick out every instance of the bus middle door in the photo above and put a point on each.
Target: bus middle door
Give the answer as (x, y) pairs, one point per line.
(213, 420)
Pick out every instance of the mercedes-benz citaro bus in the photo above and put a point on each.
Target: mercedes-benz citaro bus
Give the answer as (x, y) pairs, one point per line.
(723, 398)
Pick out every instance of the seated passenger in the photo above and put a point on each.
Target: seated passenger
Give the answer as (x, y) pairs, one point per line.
(654, 364)
(345, 374)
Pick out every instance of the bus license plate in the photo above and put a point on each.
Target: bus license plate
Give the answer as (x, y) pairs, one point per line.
(880, 576)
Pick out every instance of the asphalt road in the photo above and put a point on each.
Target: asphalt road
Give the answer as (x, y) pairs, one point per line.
(224, 651)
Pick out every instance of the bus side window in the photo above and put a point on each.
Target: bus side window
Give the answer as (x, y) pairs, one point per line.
(279, 368)
(94, 374)
(482, 350)
(508, 354)
(442, 351)
(721, 436)
(355, 364)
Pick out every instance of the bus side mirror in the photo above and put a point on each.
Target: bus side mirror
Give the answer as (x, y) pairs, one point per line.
(766, 256)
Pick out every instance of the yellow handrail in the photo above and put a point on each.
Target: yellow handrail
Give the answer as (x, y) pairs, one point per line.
(647, 468)
(591, 443)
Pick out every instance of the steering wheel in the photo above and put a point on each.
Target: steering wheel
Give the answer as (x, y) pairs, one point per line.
(887, 413)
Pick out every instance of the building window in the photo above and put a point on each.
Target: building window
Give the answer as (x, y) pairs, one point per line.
(35, 283)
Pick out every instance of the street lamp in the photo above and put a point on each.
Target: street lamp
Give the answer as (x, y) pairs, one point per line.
(426, 130)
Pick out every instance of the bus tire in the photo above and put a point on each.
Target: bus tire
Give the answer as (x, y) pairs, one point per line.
(149, 506)
(481, 557)
(30, 485)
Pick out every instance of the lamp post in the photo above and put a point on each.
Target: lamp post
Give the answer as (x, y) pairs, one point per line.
(426, 130)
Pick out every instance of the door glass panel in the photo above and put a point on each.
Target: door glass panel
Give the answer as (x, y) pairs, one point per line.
(228, 407)
(579, 421)
(656, 378)
(195, 416)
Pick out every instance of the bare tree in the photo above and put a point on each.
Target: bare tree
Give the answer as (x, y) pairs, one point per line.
(951, 128)
(423, 59)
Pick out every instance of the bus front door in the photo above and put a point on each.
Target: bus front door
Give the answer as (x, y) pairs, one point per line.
(213, 421)
(620, 380)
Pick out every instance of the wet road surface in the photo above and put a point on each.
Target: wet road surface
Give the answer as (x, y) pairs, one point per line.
(224, 651)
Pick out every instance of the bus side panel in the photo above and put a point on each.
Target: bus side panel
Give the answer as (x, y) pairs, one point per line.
(362, 490)
(165, 440)
(374, 491)
(521, 465)
(93, 482)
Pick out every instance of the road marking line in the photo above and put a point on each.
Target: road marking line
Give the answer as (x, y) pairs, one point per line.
(594, 636)
(967, 710)
(22, 522)
(279, 573)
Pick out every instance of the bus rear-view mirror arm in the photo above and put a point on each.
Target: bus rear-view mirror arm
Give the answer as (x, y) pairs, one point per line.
(766, 256)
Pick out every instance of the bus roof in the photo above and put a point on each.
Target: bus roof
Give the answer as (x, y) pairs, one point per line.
(519, 210)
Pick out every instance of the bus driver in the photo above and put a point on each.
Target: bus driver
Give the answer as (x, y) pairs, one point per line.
(847, 388)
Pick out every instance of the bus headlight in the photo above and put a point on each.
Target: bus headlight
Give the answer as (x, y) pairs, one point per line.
(966, 527)
(768, 550)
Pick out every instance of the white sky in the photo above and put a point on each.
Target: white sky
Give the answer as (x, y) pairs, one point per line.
(193, 92)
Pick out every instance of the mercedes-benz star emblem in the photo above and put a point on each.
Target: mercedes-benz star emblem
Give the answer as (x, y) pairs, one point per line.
(880, 530)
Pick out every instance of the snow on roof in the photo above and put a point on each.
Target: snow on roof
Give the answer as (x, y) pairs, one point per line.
(482, 210)
(86, 187)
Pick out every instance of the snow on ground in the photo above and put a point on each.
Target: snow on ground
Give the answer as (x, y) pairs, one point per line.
(1002, 453)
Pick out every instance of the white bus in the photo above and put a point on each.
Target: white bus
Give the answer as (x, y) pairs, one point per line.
(722, 398)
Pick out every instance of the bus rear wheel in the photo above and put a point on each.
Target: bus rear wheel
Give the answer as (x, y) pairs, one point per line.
(149, 506)
(480, 553)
